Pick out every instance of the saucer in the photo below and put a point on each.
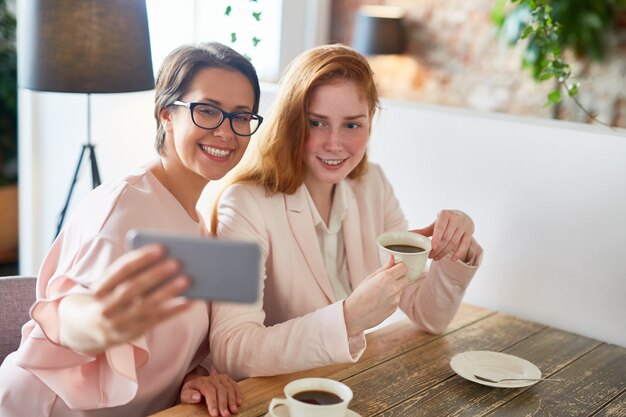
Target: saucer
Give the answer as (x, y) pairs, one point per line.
(281, 411)
(494, 365)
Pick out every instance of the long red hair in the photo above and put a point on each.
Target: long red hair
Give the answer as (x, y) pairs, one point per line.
(277, 163)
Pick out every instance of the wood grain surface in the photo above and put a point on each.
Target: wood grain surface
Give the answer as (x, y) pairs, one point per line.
(405, 372)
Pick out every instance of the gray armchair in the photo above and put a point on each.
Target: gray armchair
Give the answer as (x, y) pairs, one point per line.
(17, 295)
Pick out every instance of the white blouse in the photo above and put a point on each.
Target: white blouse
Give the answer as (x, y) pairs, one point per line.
(331, 242)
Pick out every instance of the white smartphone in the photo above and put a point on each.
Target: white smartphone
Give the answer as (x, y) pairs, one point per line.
(220, 269)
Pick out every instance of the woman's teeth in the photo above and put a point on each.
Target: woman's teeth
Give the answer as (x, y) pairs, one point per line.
(332, 161)
(215, 152)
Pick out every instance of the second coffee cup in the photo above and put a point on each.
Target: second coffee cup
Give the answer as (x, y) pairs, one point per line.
(314, 397)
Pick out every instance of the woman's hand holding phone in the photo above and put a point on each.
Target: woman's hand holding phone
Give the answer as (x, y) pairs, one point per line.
(137, 291)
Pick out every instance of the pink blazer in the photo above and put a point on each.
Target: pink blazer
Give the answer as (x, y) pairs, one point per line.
(297, 324)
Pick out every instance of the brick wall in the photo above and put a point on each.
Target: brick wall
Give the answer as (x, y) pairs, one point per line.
(455, 58)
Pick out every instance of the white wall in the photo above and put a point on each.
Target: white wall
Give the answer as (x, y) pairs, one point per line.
(548, 200)
(52, 129)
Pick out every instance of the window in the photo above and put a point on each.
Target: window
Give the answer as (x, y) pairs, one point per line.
(285, 28)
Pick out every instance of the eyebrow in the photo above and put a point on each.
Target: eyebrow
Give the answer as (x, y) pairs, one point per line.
(320, 116)
(219, 104)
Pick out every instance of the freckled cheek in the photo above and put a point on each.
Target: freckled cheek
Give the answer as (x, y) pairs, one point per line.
(359, 145)
(311, 145)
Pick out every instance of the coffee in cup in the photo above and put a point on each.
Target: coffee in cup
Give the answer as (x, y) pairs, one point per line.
(410, 248)
(314, 397)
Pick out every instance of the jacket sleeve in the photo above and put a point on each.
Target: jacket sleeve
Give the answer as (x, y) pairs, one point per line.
(241, 345)
(434, 298)
(83, 381)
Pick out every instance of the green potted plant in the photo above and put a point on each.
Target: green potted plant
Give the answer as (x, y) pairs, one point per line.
(553, 27)
(8, 135)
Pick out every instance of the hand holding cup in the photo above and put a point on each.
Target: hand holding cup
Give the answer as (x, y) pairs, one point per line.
(410, 248)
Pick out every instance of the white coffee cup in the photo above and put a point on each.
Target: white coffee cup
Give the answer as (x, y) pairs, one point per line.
(415, 261)
(302, 409)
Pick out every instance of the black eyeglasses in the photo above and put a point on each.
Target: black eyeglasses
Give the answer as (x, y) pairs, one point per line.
(209, 117)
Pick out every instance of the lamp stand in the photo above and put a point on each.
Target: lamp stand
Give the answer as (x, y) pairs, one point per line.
(95, 173)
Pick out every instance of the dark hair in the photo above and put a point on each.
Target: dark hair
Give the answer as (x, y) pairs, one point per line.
(180, 67)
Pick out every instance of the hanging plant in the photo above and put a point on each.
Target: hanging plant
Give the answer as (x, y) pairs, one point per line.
(256, 17)
(552, 27)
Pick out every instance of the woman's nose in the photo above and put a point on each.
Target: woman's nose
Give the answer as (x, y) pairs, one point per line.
(224, 130)
(333, 142)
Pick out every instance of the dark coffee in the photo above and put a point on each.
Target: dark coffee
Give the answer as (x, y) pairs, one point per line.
(318, 397)
(405, 248)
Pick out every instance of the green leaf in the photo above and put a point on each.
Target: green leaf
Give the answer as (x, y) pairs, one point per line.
(546, 75)
(554, 97)
(573, 89)
(257, 16)
(255, 41)
(228, 10)
(233, 37)
(498, 14)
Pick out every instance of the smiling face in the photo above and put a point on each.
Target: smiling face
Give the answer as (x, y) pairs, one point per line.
(200, 153)
(339, 122)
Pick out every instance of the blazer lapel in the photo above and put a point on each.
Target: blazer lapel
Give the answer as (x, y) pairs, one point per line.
(353, 240)
(302, 228)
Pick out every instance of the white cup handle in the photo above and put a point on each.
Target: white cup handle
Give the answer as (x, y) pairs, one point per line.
(274, 403)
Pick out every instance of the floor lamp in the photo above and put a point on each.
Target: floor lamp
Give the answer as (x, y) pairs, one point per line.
(89, 47)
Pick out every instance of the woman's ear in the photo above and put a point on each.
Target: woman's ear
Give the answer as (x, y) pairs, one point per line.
(165, 115)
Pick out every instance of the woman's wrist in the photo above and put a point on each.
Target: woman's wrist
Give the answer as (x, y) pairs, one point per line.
(80, 324)
(197, 372)
(350, 321)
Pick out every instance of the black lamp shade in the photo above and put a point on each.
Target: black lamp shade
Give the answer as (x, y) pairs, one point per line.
(379, 30)
(85, 46)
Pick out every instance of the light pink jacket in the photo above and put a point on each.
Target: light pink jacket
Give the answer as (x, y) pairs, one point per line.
(297, 324)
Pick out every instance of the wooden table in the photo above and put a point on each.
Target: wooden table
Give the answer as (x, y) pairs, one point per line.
(407, 373)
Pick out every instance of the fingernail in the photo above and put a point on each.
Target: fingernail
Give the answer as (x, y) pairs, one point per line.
(214, 412)
(155, 249)
(196, 397)
(181, 281)
(225, 412)
(171, 265)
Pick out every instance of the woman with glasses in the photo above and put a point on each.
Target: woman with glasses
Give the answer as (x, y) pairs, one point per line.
(110, 335)
(315, 205)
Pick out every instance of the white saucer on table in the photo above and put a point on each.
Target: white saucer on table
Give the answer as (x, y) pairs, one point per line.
(494, 365)
(282, 411)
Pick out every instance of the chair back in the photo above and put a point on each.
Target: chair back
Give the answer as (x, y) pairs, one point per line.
(17, 295)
